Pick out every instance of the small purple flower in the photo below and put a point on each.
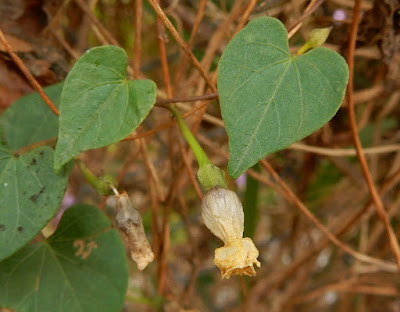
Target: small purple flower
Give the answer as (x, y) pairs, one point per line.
(339, 15)
(241, 181)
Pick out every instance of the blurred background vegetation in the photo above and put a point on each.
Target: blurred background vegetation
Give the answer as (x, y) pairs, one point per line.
(300, 269)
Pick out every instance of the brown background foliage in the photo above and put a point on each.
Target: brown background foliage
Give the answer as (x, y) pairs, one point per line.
(302, 270)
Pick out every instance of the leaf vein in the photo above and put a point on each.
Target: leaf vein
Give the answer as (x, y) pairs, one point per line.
(254, 73)
(270, 45)
(301, 97)
(255, 132)
(92, 118)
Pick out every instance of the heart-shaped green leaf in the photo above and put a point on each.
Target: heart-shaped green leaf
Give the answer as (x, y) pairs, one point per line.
(30, 193)
(99, 106)
(271, 99)
(81, 268)
(29, 120)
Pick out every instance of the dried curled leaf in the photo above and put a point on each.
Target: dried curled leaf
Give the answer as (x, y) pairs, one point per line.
(222, 213)
(130, 226)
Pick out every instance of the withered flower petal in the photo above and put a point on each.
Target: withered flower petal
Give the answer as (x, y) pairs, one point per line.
(223, 214)
(237, 257)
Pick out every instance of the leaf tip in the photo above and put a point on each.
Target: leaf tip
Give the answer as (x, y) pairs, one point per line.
(234, 170)
(59, 161)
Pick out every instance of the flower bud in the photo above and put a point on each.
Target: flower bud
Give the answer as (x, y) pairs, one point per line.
(222, 213)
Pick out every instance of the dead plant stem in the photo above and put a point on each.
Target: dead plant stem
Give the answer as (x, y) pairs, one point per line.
(208, 96)
(394, 245)
(107, 35)
(32, 146)
(312, 6)
(137, 50)
(199, 17)
(294, 199)
(245, 16)
(35, 84)
(182, 44)
(162, 268)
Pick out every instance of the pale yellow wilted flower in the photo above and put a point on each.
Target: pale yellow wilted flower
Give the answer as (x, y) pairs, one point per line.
(222, 213)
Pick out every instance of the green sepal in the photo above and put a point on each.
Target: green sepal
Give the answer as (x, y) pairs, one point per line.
(211, 176)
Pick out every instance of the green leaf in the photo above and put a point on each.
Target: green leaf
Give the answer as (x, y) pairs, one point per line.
(271, 99)
(82, 267)
(99, 106)
(30, 194)
(29, 120)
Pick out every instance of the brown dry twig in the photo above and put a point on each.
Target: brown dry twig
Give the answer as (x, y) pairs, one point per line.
(182, 44)
(137, 48)
(360, 154)
(165, 237)
(209, 96)
(294, 199)
(28, 74)
(312, 6)
(107, 35)
(340, 152)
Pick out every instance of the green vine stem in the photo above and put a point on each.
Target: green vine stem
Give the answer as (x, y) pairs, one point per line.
(199, 153)
(102, 184)
(208, 175)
